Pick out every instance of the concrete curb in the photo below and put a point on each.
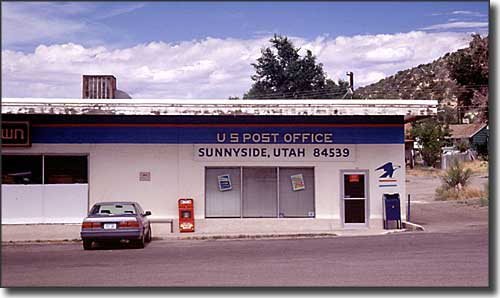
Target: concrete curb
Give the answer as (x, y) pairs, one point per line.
(412, 226)
(248, 236)
(407, 226)
(225, 237)
(30, 242)
(196, 237)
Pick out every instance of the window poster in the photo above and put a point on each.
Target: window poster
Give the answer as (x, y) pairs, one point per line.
(224, 182)
(298, 182)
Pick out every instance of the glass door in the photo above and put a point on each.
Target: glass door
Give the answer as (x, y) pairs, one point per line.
(354, 199)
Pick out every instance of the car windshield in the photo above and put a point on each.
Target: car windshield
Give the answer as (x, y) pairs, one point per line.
(114, 209)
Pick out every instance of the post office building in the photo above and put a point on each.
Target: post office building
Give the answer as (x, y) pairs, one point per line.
(249, 165)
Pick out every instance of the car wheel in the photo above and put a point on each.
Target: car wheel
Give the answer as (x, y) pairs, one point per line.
(87, 244)
(148, 236)
(141, 243)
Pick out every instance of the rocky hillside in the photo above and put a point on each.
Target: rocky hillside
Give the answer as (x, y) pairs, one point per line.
(426, 81)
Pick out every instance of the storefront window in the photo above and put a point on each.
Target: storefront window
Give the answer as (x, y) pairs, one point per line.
(65, 169)
(296, 192)
(259, 192)
(21, 169)
(28, 169)
(223, 192)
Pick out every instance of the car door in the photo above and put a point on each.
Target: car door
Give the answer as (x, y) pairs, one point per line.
(140, 216)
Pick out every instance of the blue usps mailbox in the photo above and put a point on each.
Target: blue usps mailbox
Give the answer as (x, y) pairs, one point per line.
(392, 209)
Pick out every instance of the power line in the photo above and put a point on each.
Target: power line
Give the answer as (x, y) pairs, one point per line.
(372, 90)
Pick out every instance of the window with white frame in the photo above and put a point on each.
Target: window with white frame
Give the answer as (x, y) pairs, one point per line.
(259, 192)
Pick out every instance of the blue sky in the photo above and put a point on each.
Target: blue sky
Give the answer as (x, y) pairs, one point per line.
(181, 21)
(123, 24)
(384, 31)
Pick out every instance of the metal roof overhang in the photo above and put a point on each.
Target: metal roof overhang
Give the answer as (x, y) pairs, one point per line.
(411, 109)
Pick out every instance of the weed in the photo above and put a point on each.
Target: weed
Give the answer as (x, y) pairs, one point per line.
(444, 194)
(424, 171)
(477, 166)
(456, 176)
(454, 186)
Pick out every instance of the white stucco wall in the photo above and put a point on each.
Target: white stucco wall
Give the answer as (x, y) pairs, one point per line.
(48, 203)
(114, 175)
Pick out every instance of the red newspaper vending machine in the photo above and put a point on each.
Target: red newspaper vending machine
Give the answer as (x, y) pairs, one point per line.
(186, 215)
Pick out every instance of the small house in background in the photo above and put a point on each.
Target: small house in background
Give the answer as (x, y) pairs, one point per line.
(475, 135)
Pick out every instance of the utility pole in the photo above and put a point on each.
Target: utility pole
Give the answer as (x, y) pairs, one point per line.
(350, 74)
(350, 89)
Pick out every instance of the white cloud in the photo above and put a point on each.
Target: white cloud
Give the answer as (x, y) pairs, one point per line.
(468, 13)
(120, 10)
(372, 57)
(457, 25)
(389, 54)
(210, 68)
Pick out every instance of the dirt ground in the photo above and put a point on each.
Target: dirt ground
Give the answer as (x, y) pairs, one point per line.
(436, 215)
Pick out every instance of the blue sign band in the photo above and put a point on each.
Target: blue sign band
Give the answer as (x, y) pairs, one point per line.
(213, 134)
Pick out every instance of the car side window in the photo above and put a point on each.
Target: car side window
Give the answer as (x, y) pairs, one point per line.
(139, 209)
(94, 209)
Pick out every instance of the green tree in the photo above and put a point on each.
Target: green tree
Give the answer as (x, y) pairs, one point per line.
(469, 68)
(282, 73)
(447, 115)
(463, 146)
(431, 135)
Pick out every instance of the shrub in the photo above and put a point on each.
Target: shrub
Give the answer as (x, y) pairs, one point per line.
(443, 194)
(456, 177)
(455, 180)
(463, 146)
(482, 150)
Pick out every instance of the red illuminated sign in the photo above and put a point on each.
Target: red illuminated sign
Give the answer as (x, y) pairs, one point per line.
(353, 178)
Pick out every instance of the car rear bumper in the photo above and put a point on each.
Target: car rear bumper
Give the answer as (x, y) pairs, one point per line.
(130, 234)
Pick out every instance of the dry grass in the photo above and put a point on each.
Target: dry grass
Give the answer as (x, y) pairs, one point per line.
(477, 166)
(424, 172)
(443, 194)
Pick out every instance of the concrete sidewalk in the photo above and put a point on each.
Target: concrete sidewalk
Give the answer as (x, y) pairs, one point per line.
(71, 232)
